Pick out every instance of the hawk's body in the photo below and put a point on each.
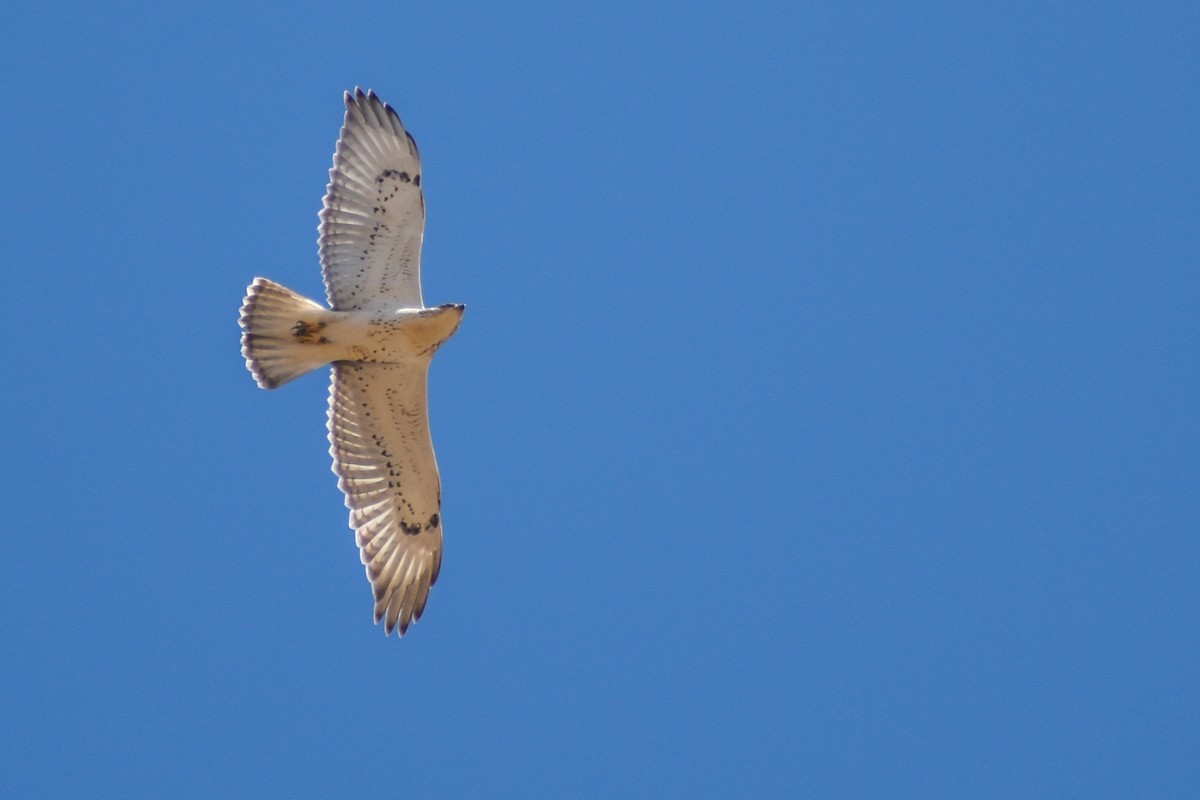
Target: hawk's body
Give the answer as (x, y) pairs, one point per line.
(380, 339)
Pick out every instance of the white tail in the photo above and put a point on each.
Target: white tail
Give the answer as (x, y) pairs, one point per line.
(271, 343)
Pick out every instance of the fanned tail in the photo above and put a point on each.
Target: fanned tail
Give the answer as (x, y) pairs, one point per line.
(273, 321)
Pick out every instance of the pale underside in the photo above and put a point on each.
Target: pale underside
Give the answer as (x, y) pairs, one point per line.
(370, 246)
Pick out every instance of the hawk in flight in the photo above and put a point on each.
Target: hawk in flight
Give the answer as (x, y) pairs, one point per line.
(380, 338)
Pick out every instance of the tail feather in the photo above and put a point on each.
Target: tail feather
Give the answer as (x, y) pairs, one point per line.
(274, 354)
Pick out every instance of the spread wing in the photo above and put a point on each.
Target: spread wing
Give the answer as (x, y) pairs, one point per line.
(383, 456)
(374, 214)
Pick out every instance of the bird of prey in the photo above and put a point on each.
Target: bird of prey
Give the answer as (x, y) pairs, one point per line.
(380, 339)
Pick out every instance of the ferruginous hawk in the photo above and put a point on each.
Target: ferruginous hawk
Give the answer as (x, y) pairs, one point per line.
(380, 339)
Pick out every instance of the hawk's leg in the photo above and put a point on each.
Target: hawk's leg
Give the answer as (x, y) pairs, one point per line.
(309, 332)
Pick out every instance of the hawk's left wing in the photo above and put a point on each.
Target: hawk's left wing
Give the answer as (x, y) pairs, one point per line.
(383, 456)
(374, 214)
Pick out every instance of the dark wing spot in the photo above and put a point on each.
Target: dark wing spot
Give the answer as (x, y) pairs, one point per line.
(391, 173)
(434, 521)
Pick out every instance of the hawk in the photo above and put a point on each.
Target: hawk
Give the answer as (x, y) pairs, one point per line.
(380, 339)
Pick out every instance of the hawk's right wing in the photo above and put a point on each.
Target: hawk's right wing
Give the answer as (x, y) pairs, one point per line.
(383, 457)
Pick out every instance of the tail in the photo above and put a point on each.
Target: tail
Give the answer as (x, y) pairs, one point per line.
(276, 333)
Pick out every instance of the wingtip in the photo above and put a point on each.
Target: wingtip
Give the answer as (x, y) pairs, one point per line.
(363, 100)
(359, 95)
(354, 99)
(400, 627)
(399, 624)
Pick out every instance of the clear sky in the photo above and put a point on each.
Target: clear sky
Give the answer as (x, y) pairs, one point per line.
(824, 422)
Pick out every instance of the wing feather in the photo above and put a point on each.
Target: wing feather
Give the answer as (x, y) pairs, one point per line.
(373, 218)
(384, 460)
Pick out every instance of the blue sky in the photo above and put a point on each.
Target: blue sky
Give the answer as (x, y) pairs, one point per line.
(823, 422)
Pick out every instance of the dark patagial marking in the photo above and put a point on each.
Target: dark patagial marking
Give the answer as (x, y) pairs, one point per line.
(391, 173)
(434, 521)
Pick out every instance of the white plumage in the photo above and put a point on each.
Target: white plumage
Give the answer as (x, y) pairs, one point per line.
(380, 339)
